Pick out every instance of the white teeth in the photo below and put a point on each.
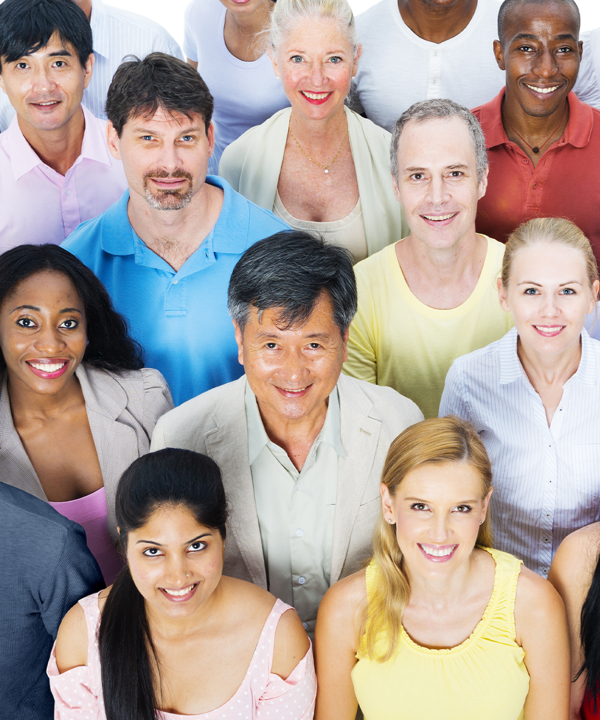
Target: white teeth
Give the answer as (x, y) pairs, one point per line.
(180, 593)
(48, 367)
(439, 217)
(53, 102)
(295, 390)
(544, 91)
(549, 328)
(315, 96)
(438, 553)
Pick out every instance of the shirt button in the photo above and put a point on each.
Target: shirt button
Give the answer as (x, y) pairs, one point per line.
(534, 186)
(299, 533)
(301, 580)
(68, 192)
(305, 626)
(525, 161)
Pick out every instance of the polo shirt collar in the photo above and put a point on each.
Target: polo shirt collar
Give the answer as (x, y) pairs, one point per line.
(100, 31)
(512, 370)
(229, 234)
(258, 438)
(577, 133)
(23, 157)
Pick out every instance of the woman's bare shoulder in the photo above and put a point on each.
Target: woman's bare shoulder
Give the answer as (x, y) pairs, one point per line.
(72, 640)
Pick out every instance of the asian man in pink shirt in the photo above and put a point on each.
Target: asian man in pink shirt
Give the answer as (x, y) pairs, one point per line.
(55, 168)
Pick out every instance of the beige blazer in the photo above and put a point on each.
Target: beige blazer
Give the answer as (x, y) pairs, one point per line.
(214, 423)
(252, 163)
(122, 410)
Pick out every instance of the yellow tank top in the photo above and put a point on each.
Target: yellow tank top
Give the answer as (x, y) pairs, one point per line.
(483, 678)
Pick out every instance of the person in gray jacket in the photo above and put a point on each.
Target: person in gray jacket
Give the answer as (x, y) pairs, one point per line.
(300, 447)
(45, 567)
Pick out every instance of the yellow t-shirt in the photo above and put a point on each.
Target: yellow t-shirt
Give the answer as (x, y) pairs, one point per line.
(396, 340)
(483, 678)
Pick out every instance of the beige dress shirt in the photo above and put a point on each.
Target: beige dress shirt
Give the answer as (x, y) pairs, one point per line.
(296, 509)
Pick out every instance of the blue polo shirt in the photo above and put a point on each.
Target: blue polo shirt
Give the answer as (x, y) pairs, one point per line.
(179, 318)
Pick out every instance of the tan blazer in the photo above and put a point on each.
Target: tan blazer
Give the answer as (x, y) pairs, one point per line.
(122, 411)
(214, 423)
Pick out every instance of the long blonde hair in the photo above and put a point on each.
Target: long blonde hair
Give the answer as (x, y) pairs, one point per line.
(551, 230)
(436, 440)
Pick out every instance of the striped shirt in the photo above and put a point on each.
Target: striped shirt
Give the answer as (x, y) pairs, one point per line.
(546, 478)
(117, 33)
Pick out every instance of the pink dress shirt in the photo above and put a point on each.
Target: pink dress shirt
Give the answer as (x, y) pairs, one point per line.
(91, 513)
(37, 204)
(261, 696)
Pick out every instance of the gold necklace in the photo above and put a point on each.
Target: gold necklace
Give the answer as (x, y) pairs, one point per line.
(325, 167)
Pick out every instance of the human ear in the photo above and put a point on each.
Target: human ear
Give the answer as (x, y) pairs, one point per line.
(112, 140)
(502, 294)
(499, 55)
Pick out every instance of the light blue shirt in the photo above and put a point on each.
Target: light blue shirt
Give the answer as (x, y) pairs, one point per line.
(179, 317)
(116, 34)
(546, 479)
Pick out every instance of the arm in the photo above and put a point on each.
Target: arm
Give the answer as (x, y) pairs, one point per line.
(292, 684)
(541, 629)
(157, 399)
(335, 644)
(571, 574)
(75, 575)
(362, 356)
(453, 400)
(193, 63)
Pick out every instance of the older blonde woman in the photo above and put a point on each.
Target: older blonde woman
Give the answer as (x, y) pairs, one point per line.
(439, 625)
(318, 165)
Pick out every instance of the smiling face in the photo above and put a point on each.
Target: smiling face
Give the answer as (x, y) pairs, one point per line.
(548, 295)
(176, 563)
(316, 64)
(43, 333)
(437, 510)
(437, 181)
(165, 157)
(292, 372)
(46, 87)
(541, 54)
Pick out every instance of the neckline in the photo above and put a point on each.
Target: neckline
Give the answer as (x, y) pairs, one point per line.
(468, 304)
(229, 56)
(477, 631)
(93, 497)
(428, 44)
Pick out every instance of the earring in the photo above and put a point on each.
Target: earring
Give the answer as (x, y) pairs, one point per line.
(390, 520)
(481, 522)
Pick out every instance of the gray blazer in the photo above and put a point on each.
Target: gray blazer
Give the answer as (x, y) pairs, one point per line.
(214, 423)
(122, 411)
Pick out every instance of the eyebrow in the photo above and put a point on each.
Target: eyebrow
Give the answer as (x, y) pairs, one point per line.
(531, 282)
(37, 309)
(274, 336)
(147, 131)
(63, 52)
(187, 542)
(427, 502)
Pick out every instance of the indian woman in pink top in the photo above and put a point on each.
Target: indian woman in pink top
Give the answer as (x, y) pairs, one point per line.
(173, 634)
(76, 405)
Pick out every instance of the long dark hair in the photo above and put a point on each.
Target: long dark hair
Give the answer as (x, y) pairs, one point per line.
(590, 637)
(168, 477)
(110, 345)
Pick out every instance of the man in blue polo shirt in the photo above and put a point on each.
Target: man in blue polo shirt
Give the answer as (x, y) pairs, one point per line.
(166, 249)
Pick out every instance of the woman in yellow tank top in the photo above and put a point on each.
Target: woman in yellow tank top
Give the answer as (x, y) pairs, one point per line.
(439, 626)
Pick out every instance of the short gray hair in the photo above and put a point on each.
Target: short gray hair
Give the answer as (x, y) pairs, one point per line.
(431, 110)
(287, 12)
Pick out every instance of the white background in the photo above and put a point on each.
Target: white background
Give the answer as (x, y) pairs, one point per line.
(169, 13)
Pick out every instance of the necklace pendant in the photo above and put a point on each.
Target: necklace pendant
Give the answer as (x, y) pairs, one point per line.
(326, 170)
(536, 149)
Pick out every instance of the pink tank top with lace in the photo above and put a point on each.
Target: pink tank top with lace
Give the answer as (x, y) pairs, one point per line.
(261, 696)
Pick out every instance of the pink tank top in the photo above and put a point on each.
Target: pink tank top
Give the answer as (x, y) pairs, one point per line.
(91, 513)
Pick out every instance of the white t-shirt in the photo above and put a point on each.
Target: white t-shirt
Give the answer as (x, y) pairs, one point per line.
(398, 68)
(246, 93)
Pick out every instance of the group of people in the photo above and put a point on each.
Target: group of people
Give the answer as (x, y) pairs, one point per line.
(294, 347)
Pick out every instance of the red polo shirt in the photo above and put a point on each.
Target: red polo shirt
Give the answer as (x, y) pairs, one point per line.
(565, 183)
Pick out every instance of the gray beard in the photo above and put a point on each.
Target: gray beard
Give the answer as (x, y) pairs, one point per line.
(168, 199)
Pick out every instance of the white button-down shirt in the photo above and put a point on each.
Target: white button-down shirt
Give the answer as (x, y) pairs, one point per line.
(116, 33)
(296, 509)
(546, 479)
